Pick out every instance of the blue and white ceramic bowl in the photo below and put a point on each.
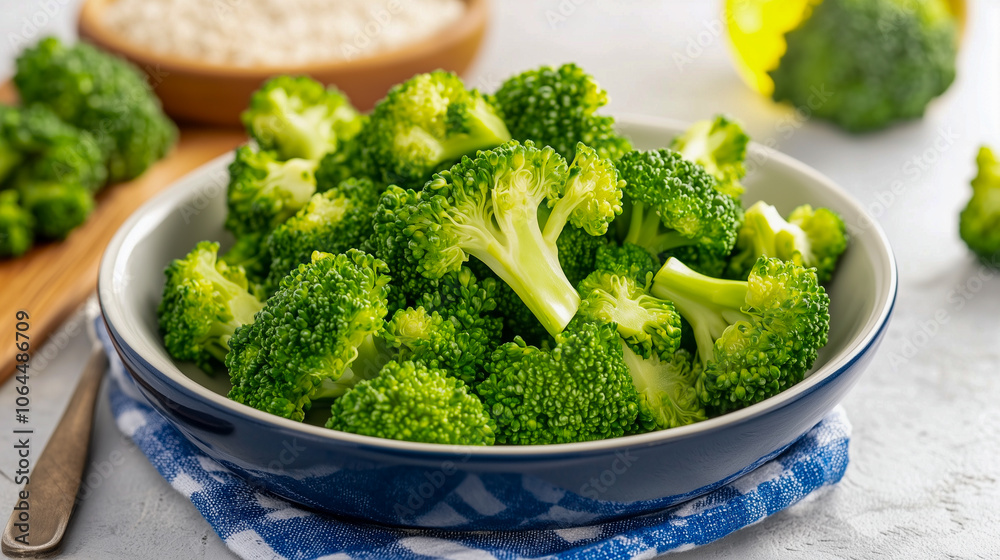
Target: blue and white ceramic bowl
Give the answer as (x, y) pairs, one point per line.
(502, 487)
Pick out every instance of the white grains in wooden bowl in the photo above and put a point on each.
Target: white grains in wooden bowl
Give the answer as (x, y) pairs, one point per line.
(277, 32)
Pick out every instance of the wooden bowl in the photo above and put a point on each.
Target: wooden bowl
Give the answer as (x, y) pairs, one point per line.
(199, 92)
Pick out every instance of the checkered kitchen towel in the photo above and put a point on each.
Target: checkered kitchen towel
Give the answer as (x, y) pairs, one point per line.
(258, 526)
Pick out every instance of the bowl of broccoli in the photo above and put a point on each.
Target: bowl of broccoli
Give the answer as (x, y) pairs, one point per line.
(503, 311)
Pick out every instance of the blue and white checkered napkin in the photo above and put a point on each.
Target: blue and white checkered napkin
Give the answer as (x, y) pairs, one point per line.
(259, 526)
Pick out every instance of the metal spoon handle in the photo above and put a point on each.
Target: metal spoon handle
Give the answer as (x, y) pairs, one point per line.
(51, 490)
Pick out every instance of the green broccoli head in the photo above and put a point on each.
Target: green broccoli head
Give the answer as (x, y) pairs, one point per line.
(626, 259)
(17, 226)
(649, 325)
(297, 117)
(676, 210)
(754, 338)
(488, 207)
(58, 208)
(100, 93)
(204, 302)
(467, 302)
(332, 222)
(720, 146)
(427, 122)
(810, 238)
(979, 222)
(304, 344)
(580, 390)
(343, 164)
(556, 107)
(264, 191)
(435, 341)
(667, 389)
(412, 401)
(865, 63)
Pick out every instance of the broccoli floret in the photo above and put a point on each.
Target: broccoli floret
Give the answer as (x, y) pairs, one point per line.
(649, 325)
(102, 94)
(580, 390)
(488, 207)
(720, 146)
(667, 389)
(556, 107)
(467, 302)
(250, 253)
(865, 63)
(204, 302)
(304, 344)
(343, 164)
(626, 259)
(810, 238)
(675, 210)
(754, 338)
(429, 338)
(578, 252)
(58, 208)
(264, 191)
(297, 117)
(412, 401)
(17, 226)
(979, 222)
(425, 123)
(332, 222)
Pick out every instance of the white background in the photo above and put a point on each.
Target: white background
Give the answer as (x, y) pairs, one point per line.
(924, 478)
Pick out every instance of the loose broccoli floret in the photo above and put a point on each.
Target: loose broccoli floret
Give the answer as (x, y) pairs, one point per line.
(720, 146)
(810, 238)
(102, 94)
(580, 390)
(265, 191)
(343, 164)
(427, 122)
(556, 107)
(204, 302)
(305, 344)
(296, 117)
(332, 222)
(17, 225)
(979, 222)
(676, 210)
(488, 207)
(668, 396)
(435, 341)
(413, 402)
(649, 325)
(865, 63)
(626, 259)
(58, 208)
(754, 338)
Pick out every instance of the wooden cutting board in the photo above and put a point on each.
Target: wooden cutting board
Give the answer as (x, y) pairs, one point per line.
(54, 278)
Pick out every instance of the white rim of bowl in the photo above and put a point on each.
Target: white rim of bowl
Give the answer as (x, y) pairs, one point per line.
(138, 225)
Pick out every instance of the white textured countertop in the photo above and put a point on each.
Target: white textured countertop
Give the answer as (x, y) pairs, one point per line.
(924, 478)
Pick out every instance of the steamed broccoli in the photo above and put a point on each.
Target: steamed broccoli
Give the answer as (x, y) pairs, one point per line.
(427, 337)
(647, 324)
(979, 222)
(343, 164)
(424, 124)
(580, 390)
(204, 302)
(865, 63)
(667, 389)
(413, 401)
(810, 238)
(754, 338)
(264, 191)
(676, 210)
(58, 208)
(720, 146)
(488, 207)
(102, 94)
(17, 226)
(332, 222)
(626, 259)
(305, 344)
(555, 107)
(297, 117)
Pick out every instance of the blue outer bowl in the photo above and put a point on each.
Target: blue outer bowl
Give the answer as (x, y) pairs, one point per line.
(502, 487)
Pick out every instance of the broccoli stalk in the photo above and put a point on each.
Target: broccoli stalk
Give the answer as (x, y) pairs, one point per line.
(720, 146)
(488, 207)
